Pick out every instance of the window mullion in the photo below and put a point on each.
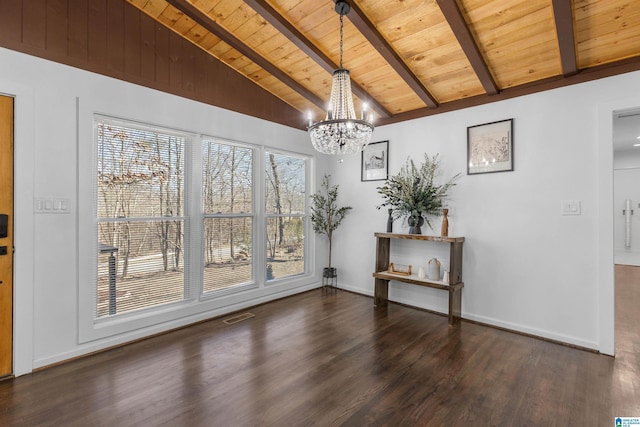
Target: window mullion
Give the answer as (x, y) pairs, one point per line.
(260, 215)
(193, 212)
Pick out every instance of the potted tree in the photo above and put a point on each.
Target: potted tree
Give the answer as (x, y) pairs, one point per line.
(413, 192)
(326, 216)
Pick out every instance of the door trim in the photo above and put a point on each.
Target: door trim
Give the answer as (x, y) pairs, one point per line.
(605, 258)
(6, 240)
(23, 225)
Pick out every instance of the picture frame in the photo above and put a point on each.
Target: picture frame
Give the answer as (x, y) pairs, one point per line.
(375, 162)
(490, 147)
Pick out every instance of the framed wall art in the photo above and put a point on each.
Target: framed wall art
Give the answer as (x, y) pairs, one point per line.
(375, 161)
(490, 147)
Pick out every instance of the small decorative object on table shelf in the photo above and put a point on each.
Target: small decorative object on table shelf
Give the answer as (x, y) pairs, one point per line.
(434, 269)
(445, 279)
(390, 222)
(445, 223)
(405, 270)
(421, 273)
(413, 192)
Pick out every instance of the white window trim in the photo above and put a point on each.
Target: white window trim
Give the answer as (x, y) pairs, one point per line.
(309, 267)
(129, 326)
(255, 283)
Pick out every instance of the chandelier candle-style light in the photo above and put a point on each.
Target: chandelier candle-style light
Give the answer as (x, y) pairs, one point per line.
(341, 132)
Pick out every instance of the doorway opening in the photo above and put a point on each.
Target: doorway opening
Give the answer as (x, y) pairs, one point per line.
(626, 222)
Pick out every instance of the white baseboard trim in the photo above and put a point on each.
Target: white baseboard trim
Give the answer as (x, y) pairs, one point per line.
(105, 344)
(355, 290)
(627, 257)
(118, 340)
(490, 321)
(541, 333)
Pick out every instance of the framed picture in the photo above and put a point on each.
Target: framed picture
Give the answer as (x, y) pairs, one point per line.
(490, 147)
(375, 161)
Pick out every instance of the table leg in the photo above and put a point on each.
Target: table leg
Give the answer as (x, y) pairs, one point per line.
(381, 293)
(455, 306)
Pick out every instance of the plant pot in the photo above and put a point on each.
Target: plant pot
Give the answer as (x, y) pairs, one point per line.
(329, 277)
(330, 272)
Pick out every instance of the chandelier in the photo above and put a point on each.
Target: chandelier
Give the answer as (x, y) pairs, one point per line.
(341, 132)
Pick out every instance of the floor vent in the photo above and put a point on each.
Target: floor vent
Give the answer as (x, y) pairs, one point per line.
(238, 318)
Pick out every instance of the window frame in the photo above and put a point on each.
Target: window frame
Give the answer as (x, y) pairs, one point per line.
(307, 270)
(127, 326)
(189, 293)
(254, 283)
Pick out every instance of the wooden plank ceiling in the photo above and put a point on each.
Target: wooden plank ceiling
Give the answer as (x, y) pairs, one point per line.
(408, 58)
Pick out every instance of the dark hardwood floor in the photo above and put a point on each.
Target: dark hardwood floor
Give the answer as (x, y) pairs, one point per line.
(328, 358)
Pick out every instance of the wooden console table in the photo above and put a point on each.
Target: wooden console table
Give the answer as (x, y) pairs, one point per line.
(382, 276)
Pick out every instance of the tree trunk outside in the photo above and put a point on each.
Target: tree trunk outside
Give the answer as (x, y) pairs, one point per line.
(276, 178)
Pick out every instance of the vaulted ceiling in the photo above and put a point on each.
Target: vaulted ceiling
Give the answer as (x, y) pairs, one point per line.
(410, 58)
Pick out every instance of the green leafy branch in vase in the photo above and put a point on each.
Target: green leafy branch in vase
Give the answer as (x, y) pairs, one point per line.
(413, 192)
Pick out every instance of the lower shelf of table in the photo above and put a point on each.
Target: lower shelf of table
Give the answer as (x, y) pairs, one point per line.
(415, 280)
(381, 291)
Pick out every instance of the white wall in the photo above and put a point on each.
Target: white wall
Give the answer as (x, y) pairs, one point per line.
(53, 142)
(526, 266)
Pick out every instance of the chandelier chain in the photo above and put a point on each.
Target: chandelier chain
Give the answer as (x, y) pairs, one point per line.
(341, 23)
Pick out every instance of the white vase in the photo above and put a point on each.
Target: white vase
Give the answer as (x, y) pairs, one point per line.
(434, 269)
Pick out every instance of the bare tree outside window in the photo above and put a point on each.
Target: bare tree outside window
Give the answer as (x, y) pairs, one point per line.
(140, 188)
(141, 226)
(285, 201)
(227, 185)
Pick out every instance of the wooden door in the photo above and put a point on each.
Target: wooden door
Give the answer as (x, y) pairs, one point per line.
(6, 238)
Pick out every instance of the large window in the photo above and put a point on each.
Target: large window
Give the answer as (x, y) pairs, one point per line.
(227, 198)
(285, 207)
(183, 220)
(140, 212)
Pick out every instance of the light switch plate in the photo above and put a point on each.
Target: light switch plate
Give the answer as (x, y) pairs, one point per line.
(51, 205)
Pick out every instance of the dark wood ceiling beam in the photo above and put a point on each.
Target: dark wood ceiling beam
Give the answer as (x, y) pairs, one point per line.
(458, 25)
(201, 18)
(585, 75)
(289, 31)
(566, 40)
(369, 31)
